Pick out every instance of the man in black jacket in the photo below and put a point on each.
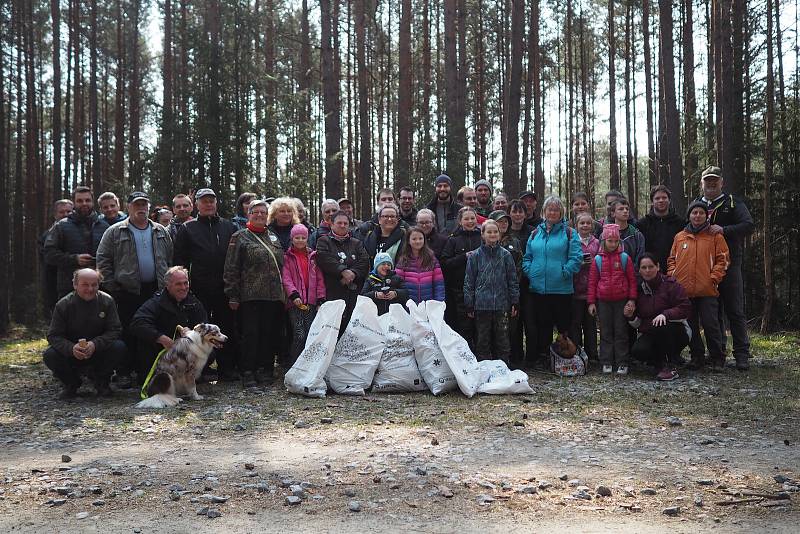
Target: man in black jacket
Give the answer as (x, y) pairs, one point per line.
(155, 321)
(660, 226)
(201, 246)
(444, 205)
(84, 336)
(729, 216)
(73, 241)
(61, 208)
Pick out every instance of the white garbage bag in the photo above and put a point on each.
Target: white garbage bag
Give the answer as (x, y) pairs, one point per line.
(432, 364)
(306, 375)
(358, 351)
(503, 381)
(460, 358)
(397, 371)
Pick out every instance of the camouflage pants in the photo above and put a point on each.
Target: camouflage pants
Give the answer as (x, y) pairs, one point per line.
(492, 335)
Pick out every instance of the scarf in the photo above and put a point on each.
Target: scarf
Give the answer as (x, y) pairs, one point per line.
(256, 230)
(696, 230)
(339, 238)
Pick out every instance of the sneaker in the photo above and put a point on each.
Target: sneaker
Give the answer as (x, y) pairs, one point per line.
(666, 375)
(743, 363)
(248, 379)
(622, 370)
(124, 381)
(607, 369)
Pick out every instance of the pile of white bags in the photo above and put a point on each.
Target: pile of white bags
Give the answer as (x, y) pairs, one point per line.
(432, 363)
(306, 375)
(358, 351)
(397, 371)
(397, 352)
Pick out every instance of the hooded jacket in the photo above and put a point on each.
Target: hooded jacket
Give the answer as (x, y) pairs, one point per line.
(335, 255)
(71, 236)
(422, 284)
(200, 246)
(451, 214)
(699, 261)
(613, 282)
(454, 257)
(392, 244)
(293, 279)
(552, 258)
(662, 295)
(490, 282)
(376, 283)
(659, 232)
(580, 281)
(161, 313)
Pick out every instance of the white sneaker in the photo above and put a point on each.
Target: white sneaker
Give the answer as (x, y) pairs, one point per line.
(622, 370)
(607, 369)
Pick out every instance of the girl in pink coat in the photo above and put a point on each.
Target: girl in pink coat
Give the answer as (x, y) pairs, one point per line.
(304, 285)
(611, 296)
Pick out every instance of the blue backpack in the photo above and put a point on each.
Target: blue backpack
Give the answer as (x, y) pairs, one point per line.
(598, 260)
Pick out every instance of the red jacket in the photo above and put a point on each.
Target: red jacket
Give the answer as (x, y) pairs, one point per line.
(293, 279)
(613, 284)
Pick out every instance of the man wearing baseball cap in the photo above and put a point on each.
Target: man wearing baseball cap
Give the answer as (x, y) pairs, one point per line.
(531, 202)
(201, 246)
(444, 205)
(729, 216)
(133, 257)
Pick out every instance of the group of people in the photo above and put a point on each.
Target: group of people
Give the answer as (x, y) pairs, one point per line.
(119, 285)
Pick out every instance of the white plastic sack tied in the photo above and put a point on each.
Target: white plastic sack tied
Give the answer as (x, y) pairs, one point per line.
(358, 351)
(503, 381)
(306, 375)
(397, 371)
(455, 348)
(432, 364)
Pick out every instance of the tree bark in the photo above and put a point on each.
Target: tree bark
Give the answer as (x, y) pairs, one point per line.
(55, 13)
(652, 161)
(538, 126)
(404, 100)
(456, 141)
(689, 98)
(97, 179)
(331, 105)
(365, 148)
(612, 100)
(769, 120)
(513, 95)
(670, 148)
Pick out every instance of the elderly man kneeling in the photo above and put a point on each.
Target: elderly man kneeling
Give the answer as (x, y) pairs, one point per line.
(84, 336)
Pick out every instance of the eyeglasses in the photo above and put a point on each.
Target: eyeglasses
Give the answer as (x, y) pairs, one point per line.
(388, 216)
(425, 223)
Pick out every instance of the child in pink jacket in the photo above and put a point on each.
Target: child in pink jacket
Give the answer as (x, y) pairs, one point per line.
(611, 296)
(304, 285)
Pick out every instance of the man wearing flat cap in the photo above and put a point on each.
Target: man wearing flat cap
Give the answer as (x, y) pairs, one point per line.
(729, 216)
(133, 256)
(201, 246)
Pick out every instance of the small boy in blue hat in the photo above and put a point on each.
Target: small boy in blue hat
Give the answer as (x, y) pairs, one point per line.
(384, 286)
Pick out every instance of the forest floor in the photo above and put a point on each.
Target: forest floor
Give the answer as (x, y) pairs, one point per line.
(711, 452)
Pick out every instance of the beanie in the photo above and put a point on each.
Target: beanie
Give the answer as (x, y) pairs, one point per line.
(610, 231)
(443, 178)
(483, 182)
(382, 257)
(696, 204)
(298, 229)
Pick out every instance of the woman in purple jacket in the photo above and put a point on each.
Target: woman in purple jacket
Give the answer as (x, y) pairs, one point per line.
(662, 310)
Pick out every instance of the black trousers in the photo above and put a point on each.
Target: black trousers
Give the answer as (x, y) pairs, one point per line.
(704, 312)
(491, 335)
(262, 323)
(543, 313)
(583, 330)
(68, 369)
(220, 314)
(127, 304)
(518, 331)
(459, 321)
(662, 345)
(731, 300)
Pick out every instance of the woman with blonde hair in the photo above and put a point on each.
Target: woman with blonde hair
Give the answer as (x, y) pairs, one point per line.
(282, 216)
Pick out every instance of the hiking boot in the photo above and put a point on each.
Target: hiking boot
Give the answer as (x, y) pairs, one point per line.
(264, 377)
(607, 369)
(124, 381)
(248, 379)
(696, 363)
(718, 364)
(227, 376)
(743, 363)
(667, 375)
(102, 389)
(622, 370)
(69, 391)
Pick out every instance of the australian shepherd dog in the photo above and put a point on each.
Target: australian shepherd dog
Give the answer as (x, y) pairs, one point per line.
(179, 367)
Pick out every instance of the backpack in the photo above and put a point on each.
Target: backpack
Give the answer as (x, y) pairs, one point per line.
(575, 366)
(598, 260)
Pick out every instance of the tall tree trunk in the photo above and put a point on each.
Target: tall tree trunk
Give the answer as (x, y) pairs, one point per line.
(456, 142)
(512, 95)
(167, 114)
(67, 104)
(479, 91)
(737, 151)
(670, 148)
(365, 148)
(404, 99)
(689, 98)
(97, 179)
(629, 162)
(723, 79)
(331, 105)
(769, 121)
(612, 100)
(119, 103)
(134, 98)
(55, 13)
(652, 163)
(304, 88)
(538, 126)
(5, 226)
(426, 165)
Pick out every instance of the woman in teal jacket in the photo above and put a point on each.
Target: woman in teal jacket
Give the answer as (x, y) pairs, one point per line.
(553, 255)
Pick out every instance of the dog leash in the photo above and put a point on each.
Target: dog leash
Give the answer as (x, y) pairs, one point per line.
(143, 392)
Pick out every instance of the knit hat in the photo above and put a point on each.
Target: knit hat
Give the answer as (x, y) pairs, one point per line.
(443, 178)
(298, 229)
(610, 231)
(696, 204)
(483, 182)
(382, 257)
